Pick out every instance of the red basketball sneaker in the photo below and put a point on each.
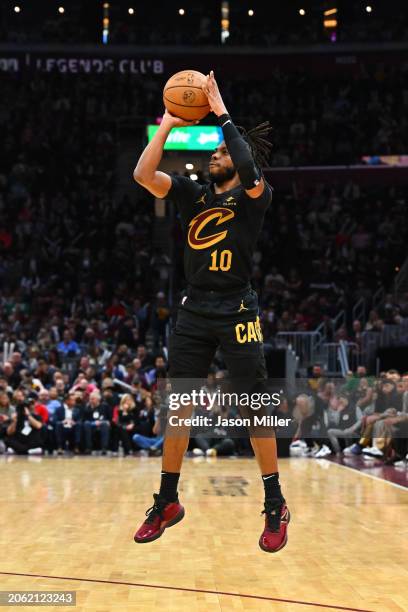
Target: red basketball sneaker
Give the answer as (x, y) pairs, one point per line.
(277, 517)
(161, 515)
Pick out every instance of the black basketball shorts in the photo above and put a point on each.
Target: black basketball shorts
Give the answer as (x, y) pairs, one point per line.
(207, 321)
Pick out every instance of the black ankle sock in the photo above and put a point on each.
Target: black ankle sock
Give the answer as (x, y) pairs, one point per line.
(168, 485)
(272, 486)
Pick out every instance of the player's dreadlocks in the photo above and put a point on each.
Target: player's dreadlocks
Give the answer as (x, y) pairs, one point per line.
(257, 139)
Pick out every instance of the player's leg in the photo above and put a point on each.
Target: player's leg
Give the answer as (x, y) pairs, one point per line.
(242, 349)
(247, 366)
(191, 351)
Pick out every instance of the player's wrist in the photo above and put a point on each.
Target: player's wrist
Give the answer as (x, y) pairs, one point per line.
(223, 118)
(221, 112)
(166, 125)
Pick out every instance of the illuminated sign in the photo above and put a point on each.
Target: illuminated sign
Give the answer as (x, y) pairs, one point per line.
(80, 64)
(190, 138)
(385, 160)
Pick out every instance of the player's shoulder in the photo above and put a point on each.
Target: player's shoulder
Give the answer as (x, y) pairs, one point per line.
(183, 187)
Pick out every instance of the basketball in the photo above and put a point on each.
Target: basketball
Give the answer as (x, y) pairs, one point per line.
(183, 96)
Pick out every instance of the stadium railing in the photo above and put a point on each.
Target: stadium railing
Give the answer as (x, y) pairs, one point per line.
(378, 298)
(307, 345)
(359, 311)
(390, 335)
(340, 357)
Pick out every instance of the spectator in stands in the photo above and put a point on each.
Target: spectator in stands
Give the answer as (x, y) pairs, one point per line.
(13, 378)
(159, 370)
(44, 373)
(374, 322)
(325, 392)
(356, 336)
(97, 417)
(40, 406)
(17, 362)
(6, 414)
(25, 433)
(387, 404)
(303, 414)
(67, 424)
(109, 395)
(144, 356)
(315, 377)
(147, 428)
(364, 395)
(348, 423)
(51, 399)
(124, 420)
(68, 346)
(160, 319)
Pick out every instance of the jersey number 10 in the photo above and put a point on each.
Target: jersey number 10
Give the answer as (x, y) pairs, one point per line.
(221, 261)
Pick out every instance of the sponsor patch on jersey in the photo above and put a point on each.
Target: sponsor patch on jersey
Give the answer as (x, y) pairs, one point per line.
(231, 201)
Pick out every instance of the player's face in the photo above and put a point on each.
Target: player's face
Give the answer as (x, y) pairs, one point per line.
(221, 168)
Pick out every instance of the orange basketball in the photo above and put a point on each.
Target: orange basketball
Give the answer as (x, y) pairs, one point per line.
(183, 96)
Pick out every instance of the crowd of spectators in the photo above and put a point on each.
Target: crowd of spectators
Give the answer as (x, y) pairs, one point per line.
(361, 415)
(72, 255)
(65, 401)
(330, 120)
(118, 404)
(334, 246)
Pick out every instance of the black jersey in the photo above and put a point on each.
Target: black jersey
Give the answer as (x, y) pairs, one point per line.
(221, 231)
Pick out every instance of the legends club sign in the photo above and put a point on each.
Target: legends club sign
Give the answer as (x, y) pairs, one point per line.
(141, 62)
(80, 64)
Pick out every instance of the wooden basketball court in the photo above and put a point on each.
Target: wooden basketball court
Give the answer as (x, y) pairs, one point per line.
(68, 523)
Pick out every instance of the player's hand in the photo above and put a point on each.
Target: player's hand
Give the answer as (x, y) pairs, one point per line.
(172, 121)
(210, 88)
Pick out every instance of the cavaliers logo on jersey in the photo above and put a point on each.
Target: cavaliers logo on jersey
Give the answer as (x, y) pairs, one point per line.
(211, 217)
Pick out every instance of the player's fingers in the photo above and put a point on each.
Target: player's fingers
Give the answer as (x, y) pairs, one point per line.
(207, 85)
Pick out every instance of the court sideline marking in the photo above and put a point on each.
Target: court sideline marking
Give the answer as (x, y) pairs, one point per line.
(186, 590)
(354, 469)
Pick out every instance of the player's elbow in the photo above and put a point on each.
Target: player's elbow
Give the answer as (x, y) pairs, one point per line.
(138, 176)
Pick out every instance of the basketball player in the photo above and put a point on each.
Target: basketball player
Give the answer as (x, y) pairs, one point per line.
(221, 222)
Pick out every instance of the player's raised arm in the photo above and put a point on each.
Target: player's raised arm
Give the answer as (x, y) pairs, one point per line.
(146, 173)
(240, 152)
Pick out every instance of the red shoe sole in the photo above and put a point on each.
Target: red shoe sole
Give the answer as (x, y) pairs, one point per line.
(268, 550)
(179, 517)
